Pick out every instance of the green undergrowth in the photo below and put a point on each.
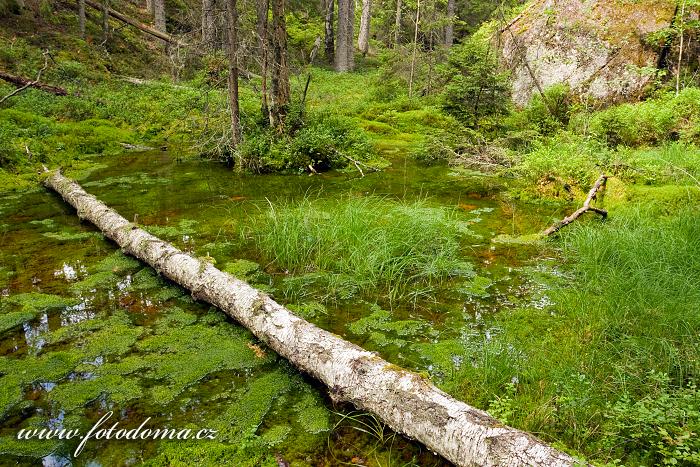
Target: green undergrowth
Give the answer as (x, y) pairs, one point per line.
(354, 246)
(610, 369)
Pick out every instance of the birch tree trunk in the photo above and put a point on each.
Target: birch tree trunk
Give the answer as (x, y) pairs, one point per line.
(149, 7)
(280, 68)
(232, 49)
(208, 31)
(363, 36)
(132, 22)
(81, 17)
(405, 401)
(344, 50)
(450, 27)
(329, 40)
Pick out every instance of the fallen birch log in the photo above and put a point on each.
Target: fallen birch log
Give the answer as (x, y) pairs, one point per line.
(132, 22)
(405, 401)
(599, 185)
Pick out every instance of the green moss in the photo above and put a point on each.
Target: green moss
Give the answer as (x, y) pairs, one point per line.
(13, 319)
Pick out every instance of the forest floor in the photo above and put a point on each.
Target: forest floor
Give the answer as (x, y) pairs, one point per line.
(607, 368)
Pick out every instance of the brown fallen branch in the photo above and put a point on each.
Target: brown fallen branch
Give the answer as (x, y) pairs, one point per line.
(24, 83)
(405, 401)
(599, 185)
(358, 164)
(132, 22)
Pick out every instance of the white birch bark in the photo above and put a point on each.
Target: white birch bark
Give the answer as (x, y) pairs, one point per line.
(405, 401)
(363, 36)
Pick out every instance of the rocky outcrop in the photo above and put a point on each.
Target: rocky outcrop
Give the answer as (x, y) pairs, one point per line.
(598, 47)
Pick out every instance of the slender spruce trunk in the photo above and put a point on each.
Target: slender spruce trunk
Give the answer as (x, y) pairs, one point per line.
(232, 49)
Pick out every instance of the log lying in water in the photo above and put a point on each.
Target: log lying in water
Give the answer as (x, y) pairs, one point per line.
(405, 401)
(599, 185)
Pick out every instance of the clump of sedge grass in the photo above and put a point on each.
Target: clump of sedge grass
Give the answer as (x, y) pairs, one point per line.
(369, 244)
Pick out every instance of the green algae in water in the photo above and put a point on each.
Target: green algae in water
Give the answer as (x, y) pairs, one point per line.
(48, 223)
(383, 330)
(32, 448)
(237, 441)
(148, 280)
(242, 269)
(93, 282)
(312, 415)
(71, 236)
(183, 227)
(117, 262)
(126, 181)
(17, 374)
(478, 286)
(11, 320)
(308, 310)
(39, 301)
(76, 394)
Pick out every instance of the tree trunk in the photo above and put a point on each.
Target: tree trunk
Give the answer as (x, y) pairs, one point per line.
(405, 401)
(159, 15)
(329, 39)
(262, 10)
(232, 49)
(363, 37)
(450, 27)
(130, 21)
(397, 24)
(280, 69)
(344, 49)
(208, 30)
(81, 17)
(105, 20)
(415, 50)
(21, 81)
(149, 7)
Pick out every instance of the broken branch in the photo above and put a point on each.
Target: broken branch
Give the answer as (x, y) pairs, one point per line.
(592, 194)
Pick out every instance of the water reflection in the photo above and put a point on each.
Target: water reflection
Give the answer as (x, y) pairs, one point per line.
(34, 333)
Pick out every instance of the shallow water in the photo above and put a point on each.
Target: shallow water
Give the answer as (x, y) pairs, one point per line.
(119, 338)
